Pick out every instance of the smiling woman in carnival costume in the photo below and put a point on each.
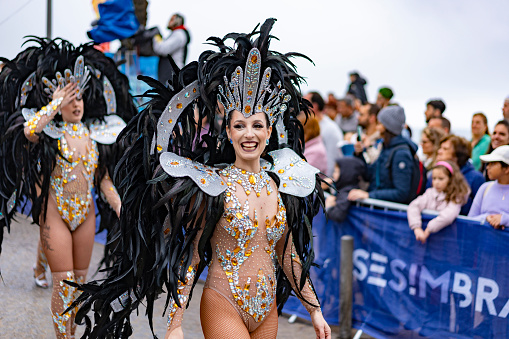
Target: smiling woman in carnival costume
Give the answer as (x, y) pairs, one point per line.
(239, 200)
(61, 110)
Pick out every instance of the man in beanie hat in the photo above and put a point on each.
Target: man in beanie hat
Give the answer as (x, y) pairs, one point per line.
(384, 97)
(390, 176)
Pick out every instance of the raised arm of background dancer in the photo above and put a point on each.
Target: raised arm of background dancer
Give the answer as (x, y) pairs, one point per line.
(61, 98)
(110, 193)
(291, 264)
(175, 313)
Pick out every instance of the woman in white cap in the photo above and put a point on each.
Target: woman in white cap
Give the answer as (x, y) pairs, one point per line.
(491, 202)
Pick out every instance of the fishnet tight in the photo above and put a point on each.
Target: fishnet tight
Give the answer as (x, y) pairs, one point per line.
(220, 320)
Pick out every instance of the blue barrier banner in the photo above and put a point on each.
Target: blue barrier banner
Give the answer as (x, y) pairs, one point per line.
(454, 286)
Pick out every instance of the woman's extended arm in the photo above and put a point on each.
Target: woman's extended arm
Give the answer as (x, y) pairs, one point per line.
(110, 193)
(291, 264)
(61, 97)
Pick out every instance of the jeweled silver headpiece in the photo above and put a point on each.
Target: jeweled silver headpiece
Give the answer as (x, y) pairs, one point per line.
(246, 92)
(80, 77)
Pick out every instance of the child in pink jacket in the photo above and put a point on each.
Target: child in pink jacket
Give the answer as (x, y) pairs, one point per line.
(448, 193)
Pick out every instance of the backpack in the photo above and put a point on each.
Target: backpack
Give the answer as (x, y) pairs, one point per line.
(419, 173)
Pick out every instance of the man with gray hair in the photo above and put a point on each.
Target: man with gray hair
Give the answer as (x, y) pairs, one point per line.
(348, 116)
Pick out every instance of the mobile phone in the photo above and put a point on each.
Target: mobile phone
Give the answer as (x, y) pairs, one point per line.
(359, 133)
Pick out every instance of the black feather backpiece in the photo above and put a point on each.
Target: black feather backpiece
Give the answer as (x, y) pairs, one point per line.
(162, 215)
(25, 166)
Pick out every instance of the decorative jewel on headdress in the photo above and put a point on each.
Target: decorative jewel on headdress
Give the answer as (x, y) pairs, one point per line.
(246, 93)
(80, 77)
(28, 84)
(109, 96)
(171, 113)
(282, 133)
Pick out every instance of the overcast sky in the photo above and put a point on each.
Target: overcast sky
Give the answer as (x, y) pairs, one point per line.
(456, 49)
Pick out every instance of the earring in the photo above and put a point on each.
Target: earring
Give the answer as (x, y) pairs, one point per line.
(267, 142)
(231, 142)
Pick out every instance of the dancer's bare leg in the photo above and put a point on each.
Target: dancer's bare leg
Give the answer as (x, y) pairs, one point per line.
(56, 242)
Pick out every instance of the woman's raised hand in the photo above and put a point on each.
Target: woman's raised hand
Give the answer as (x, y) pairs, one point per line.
(68, 93)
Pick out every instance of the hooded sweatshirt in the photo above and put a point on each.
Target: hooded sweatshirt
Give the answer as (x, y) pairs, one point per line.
(351, 170)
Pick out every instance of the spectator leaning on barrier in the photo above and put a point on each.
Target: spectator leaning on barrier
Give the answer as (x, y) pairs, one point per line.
(390, 176)
(434, 109)
(458, 149)
(491, 202)
(384, 97)
(448, 193)
(481, 138)
(346, 176)
(329, 130)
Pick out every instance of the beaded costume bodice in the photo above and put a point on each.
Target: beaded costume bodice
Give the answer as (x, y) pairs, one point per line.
(245, 245)
(72, 180)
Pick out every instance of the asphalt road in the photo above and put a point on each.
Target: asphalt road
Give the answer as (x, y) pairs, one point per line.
(24, 308)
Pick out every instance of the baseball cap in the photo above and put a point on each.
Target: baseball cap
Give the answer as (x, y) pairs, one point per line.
(500, 153)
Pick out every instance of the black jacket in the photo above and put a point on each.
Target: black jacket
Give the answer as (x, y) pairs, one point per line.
(352, 169)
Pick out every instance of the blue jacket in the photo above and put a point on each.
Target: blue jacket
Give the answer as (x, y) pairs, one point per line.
(393, 186)
(474, 179)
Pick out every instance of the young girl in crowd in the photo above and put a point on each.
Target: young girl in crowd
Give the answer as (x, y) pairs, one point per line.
(491, 202)
(448, 193)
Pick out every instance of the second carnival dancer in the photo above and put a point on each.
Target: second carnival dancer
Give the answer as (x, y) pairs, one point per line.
(239, 200)
(62, 108)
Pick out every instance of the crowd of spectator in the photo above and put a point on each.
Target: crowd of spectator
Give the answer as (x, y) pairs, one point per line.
(366, 150)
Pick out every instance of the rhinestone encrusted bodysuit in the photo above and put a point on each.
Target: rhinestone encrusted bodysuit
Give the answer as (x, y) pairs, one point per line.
(253, 258)
(248, 245)
(72, 180)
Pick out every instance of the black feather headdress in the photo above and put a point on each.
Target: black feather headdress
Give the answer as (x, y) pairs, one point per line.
(162, 215)
(25, 166)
